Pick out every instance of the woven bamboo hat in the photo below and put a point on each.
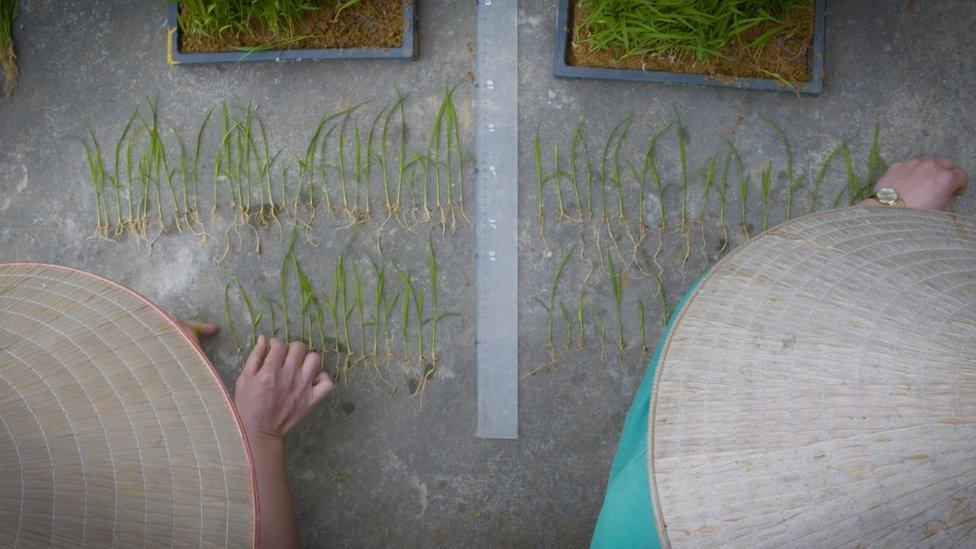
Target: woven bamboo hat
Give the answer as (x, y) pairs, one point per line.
(819, 389)
(114, 428)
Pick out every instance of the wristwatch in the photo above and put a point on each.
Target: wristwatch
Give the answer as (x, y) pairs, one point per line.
(888, 197)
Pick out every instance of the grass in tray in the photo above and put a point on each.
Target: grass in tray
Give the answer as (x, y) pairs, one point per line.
(250, 26)
(219, 18)
(8, 58)
(698, 29)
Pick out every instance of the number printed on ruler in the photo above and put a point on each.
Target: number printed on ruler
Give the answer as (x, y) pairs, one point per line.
(492, 222)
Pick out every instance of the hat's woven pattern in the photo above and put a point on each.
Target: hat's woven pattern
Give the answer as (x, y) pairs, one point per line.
(114, 429)
(820, 389)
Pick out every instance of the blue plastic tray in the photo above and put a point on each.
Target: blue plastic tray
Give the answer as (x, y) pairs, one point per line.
(175, 57)
(563, 69)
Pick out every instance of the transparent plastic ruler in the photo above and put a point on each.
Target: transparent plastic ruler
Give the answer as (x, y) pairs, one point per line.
(496, 224)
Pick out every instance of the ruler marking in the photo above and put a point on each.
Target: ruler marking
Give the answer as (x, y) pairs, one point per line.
(496, 224)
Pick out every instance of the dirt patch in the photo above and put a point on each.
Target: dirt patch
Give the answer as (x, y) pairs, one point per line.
(368, 24)
(786, 56)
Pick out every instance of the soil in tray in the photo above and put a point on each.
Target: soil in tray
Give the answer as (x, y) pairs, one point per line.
(368, 24)
(785, 56)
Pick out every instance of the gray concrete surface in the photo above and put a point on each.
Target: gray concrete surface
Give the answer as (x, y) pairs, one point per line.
(369, 471)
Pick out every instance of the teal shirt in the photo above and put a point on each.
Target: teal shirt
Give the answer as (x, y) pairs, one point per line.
(627, 518)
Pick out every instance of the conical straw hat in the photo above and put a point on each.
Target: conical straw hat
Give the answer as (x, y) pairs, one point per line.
(114, 428)
(819, 389)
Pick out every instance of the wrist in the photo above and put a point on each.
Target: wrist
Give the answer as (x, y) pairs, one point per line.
(264, 449)
(263, 440)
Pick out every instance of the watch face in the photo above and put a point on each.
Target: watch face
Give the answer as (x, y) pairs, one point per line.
(885, 194)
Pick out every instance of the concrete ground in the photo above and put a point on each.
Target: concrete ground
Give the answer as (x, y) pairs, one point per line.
(373, 470)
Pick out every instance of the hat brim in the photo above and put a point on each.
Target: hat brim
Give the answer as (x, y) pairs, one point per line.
(819, 388)
(114, 427)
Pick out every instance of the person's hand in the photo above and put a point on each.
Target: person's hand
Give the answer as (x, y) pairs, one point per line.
(196, 329)
(926, 183)
(279, 386)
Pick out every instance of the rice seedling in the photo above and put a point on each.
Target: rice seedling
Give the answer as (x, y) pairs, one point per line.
(254, 315)
(414, 299)
(614, 140)
(402, 155)
(557, 177)
(818, 180)
(602, 330)
(9, 10)
(709, 180)
(580, 313)
(221, 171)
(649, 165)
(388, 310)
(568, 320)
(791, 187)
(333, 304)
(662, 296)
(130, 190)
(96, 170)
(767, 180)
(743, 180)
(853, 183)
(379, 304)
(434, 158)
(454, 144)
(643, 327)
(307, 167)
(227, 164)
(197, 150)
(411, 179)
(342, 301)
(616, 177)
(358, 169)
(699, 29)
(283, 281)
(264, 161)
(122, 222)
(616, 283)
(723, 190)
(307, 302)
(183, 169)
(856, 188)
(419, 303)
(358, 304)
(341, 166)
(550, 305)
(791, 181)
(434, 298)
(683, 219)
(574, 167)
(380, 157)
(229, 318)
(540, 179)
(272, 307)
(650, 159)
(876, 164)
(406, 290)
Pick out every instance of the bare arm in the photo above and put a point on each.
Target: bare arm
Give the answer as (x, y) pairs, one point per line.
(279, 386)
